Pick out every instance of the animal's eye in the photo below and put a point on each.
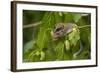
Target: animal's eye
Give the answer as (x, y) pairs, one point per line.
(58, 29)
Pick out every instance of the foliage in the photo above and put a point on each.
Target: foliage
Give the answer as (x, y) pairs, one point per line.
(39, 45)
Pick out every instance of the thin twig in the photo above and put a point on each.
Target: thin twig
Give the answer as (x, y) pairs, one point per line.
(84, 26)
(32, 25)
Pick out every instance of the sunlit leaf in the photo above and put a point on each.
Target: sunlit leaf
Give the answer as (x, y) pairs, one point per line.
(42, 55)
(60, 13)
(67, 45)
(74, 36)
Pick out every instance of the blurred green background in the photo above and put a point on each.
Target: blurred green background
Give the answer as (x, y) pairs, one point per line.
(37, 41)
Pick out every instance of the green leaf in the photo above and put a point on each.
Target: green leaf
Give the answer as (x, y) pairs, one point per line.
(59, 49)
(74, 36)
(42, 55)
(37, 53)
(46, 16)
(60, 13)
(67, 55)
(72, 17)
(68, 17)
(48, 23)
(76, 17)
(57, 17)
(50, 54)
(31, 55)
(48, 20)
(85, 33)
(67, 45)
(28, 46)
(42, 39)
(84, 55)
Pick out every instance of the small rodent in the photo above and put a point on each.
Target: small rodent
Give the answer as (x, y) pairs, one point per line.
(62, 29)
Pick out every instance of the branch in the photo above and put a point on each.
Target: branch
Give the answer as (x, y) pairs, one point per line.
(37, 23)
(32, 25)
(84, 26)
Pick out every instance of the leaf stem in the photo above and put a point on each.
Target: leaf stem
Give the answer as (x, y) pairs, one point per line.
(84, 26)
